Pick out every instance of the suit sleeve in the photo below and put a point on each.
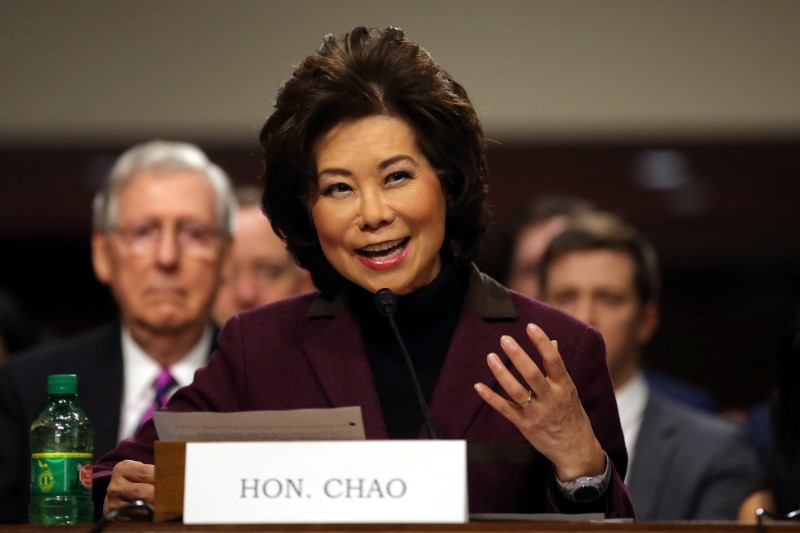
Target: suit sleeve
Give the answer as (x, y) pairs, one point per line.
(14, 452)
(731, 475)
(589, 372)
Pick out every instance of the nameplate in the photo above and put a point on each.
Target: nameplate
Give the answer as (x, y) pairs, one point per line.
(326, 482)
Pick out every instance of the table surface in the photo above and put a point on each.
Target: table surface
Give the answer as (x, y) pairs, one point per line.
(471, 527)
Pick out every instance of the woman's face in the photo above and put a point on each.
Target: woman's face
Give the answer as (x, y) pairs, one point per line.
(378, 205)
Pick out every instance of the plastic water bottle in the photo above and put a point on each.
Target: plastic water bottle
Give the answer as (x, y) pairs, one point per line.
(62, 440)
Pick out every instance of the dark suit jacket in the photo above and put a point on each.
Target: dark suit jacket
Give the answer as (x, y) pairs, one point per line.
(690, 465)
(96, 358)
(307, 352)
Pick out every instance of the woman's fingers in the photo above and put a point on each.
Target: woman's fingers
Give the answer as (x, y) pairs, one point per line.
(503, 406)
(534, 383)
(130, 481)
(137, 472)
(530, 372)
(554, 422)
(548, 349)
(517, 391)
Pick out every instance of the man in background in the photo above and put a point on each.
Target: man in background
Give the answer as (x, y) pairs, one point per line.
(533, 229)
(261, 270)
(161, 236)
(531, 233)
(684, 464)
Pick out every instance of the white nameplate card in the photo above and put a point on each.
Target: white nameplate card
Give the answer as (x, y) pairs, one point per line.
(391, 481)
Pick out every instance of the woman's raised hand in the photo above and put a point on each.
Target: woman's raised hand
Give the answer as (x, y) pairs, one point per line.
(545, 406)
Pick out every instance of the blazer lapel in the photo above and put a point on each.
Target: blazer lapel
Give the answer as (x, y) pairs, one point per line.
(337, 349)
(652, 461)
(455, 404)
(338, 357)
(104, 397)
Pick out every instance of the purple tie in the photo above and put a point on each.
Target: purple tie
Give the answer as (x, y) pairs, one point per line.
(162, 385)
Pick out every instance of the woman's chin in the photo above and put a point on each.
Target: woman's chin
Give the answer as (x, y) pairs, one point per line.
(375, 283)
(399, 280)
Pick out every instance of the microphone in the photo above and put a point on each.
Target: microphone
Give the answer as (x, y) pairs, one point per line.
(386, 302)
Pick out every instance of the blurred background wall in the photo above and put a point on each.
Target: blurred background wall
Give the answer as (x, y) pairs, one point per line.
(681, 116)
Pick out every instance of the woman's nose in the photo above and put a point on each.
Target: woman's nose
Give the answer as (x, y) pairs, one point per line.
(374, 212)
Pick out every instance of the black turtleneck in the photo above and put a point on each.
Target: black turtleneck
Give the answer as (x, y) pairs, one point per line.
(426, 319)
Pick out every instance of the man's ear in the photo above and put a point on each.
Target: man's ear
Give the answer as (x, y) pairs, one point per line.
(101, 262)
(651, 318)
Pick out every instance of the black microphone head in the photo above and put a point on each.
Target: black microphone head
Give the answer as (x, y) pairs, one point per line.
(386, 301)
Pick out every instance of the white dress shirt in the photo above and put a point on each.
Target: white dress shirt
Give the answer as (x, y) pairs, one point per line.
(139, 371)
(631, 401)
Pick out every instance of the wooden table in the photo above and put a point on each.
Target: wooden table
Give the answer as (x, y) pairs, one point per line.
(472, 527)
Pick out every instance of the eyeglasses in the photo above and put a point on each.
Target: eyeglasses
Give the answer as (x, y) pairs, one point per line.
(262, 273)
(762, 515)
(193, 238)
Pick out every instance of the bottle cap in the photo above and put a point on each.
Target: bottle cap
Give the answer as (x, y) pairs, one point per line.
(62, 384)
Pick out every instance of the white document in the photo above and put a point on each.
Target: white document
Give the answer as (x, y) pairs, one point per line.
(343, 423)
(326, 482)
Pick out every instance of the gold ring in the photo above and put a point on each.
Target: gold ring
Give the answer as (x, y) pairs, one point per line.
(527, 402)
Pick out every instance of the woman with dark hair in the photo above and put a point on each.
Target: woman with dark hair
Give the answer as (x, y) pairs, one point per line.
(371, 76)
(375, 175)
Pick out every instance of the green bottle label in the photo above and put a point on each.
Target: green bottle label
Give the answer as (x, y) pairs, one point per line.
(67, 473)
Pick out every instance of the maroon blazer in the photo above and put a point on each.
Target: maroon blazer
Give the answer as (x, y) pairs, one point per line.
(307, 352)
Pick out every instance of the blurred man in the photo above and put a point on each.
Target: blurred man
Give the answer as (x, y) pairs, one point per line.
(161, 235)
(684, 464)
(261, 269)
(532, 231)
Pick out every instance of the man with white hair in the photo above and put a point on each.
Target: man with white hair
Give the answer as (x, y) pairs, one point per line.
(161, 236)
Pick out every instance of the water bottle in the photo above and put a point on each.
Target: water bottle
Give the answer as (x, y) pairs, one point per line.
(62, 440)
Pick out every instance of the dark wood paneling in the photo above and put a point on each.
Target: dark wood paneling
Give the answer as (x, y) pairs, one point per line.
(729, 241)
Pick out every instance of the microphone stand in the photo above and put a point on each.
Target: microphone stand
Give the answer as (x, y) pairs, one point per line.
(386, 302)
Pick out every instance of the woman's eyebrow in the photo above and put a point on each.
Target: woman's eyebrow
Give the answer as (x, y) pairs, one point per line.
(334, 171)
(381, 166)
(392, 160)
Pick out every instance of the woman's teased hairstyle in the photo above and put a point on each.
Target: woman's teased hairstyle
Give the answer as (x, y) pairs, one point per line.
(367, 73)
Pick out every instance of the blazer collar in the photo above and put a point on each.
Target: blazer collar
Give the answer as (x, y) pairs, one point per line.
(340, 362)
(337, 355)
(485, 296)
